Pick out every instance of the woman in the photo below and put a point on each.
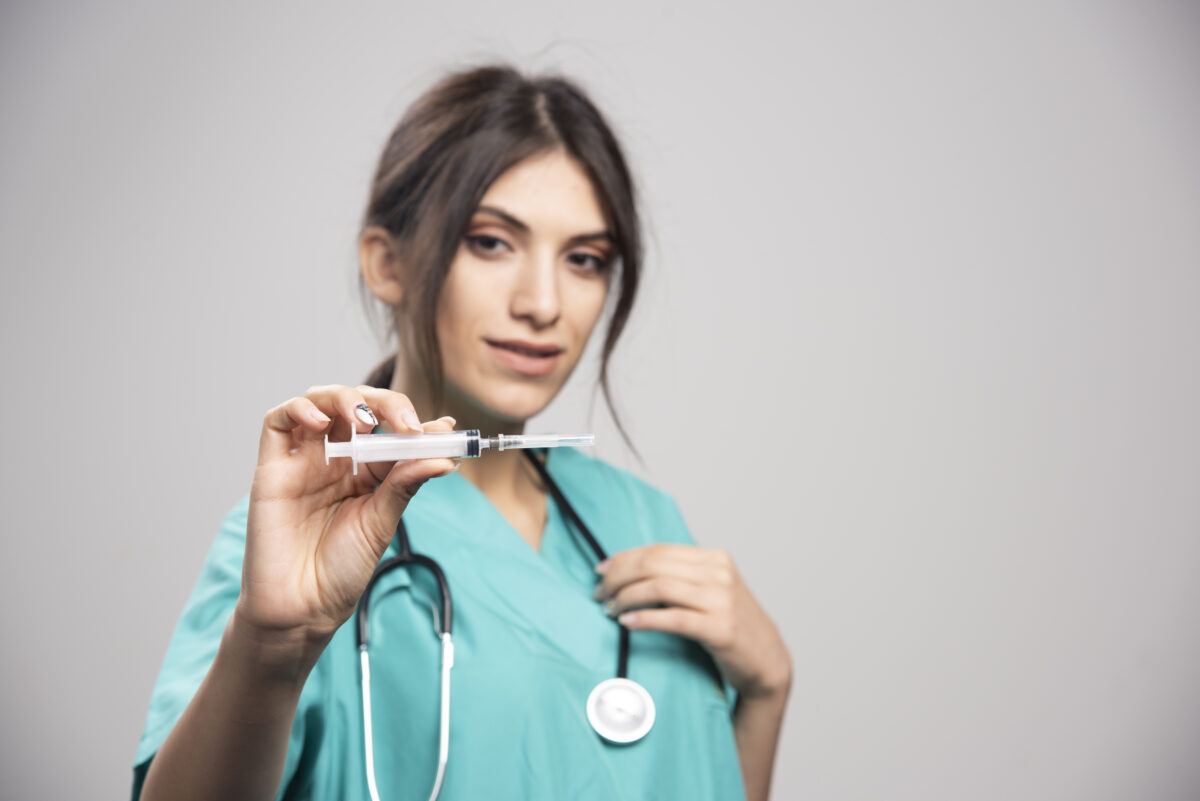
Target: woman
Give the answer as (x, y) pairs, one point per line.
(501, 219)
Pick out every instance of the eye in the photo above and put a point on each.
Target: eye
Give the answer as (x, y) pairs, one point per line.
(590, 261)
(487, 245)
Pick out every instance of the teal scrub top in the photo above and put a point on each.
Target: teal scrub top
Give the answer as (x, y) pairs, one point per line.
(530, 644)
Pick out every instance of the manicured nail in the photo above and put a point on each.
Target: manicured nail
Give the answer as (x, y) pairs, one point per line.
(411, 420)
(449, 420)
(609, 606)
(627, 619)
(457, 464)
(603, 566)
(365, 414)
(319, 416)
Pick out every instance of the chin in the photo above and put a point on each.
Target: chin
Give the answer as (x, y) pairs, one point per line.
(519, 406)
(514, 403)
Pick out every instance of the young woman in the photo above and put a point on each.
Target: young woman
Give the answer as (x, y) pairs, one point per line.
(501, 220)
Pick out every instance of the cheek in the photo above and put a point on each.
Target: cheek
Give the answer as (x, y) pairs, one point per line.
(463, 303)
(587, 306)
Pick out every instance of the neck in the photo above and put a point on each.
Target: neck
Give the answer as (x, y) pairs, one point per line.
(506, 477)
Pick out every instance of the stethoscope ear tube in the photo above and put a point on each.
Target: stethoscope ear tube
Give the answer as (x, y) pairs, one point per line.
(368, 730)
(361, 635)
(443, 724)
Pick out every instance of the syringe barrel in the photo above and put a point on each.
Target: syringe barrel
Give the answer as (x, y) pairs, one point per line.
(391, 447)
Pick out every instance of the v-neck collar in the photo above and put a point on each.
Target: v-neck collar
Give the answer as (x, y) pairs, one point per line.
(455, 499)
(458, 525)
(466, 487)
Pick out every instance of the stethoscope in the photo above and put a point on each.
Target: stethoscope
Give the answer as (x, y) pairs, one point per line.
(619, 709)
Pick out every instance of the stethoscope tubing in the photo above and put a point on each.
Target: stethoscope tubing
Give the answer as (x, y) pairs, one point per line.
(581, 527)
(445, 625)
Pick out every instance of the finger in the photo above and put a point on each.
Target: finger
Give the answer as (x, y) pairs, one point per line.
(663, 590)
(347, 407)
(676, 620)
(281, 422)
(699, 565)
(393, 407)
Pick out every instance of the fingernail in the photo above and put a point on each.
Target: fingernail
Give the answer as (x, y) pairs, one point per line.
(602, 566)
(609, 606)
(365, 414)
(627, 619)
(449, 419)
(411, 420)
(457, 464)
(599, 593)
(319, 416)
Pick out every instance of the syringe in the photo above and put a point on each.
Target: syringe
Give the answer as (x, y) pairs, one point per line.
(390, 447)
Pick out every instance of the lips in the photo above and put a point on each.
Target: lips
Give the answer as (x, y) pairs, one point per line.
(525, 348)
(526, 358)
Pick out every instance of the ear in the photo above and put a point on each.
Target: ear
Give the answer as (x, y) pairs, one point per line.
(380, 264)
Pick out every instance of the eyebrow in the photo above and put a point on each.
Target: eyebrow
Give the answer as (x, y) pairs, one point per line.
(520, 226)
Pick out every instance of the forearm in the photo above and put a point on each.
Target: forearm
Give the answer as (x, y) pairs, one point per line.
(757, 721)
(232, 740)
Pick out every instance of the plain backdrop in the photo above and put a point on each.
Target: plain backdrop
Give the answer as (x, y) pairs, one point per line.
(918, 345)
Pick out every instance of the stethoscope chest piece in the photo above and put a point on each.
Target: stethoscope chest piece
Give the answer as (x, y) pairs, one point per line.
(620, 710)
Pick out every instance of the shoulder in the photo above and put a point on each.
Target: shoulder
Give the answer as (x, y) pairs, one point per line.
(229, 546)
(235, 520)
(198, 631)
(646, 512)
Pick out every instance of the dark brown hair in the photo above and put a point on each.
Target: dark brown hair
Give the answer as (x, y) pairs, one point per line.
(450, 145)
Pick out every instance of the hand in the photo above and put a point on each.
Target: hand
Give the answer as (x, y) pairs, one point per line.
(702, 596)
(315, 532)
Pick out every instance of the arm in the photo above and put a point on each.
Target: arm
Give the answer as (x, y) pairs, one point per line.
(232, 739)
(757, 721)
(314, 534)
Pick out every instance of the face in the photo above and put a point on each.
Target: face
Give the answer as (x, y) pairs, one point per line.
(525, 289)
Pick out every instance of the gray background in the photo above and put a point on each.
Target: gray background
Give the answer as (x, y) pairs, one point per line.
(918, 345)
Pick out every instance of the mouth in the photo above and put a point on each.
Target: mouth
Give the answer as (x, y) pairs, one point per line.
(526, 348)
(525, 358)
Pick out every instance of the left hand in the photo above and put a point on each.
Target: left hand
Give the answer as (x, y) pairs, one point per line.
(702, 596)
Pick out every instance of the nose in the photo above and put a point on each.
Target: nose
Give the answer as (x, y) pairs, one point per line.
(535, 296)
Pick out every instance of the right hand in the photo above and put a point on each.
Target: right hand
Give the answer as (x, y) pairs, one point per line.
(315, 532)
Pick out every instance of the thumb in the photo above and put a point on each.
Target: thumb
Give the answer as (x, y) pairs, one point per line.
(399, 487)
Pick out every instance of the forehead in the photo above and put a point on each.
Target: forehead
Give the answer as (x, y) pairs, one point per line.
(550, 192)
